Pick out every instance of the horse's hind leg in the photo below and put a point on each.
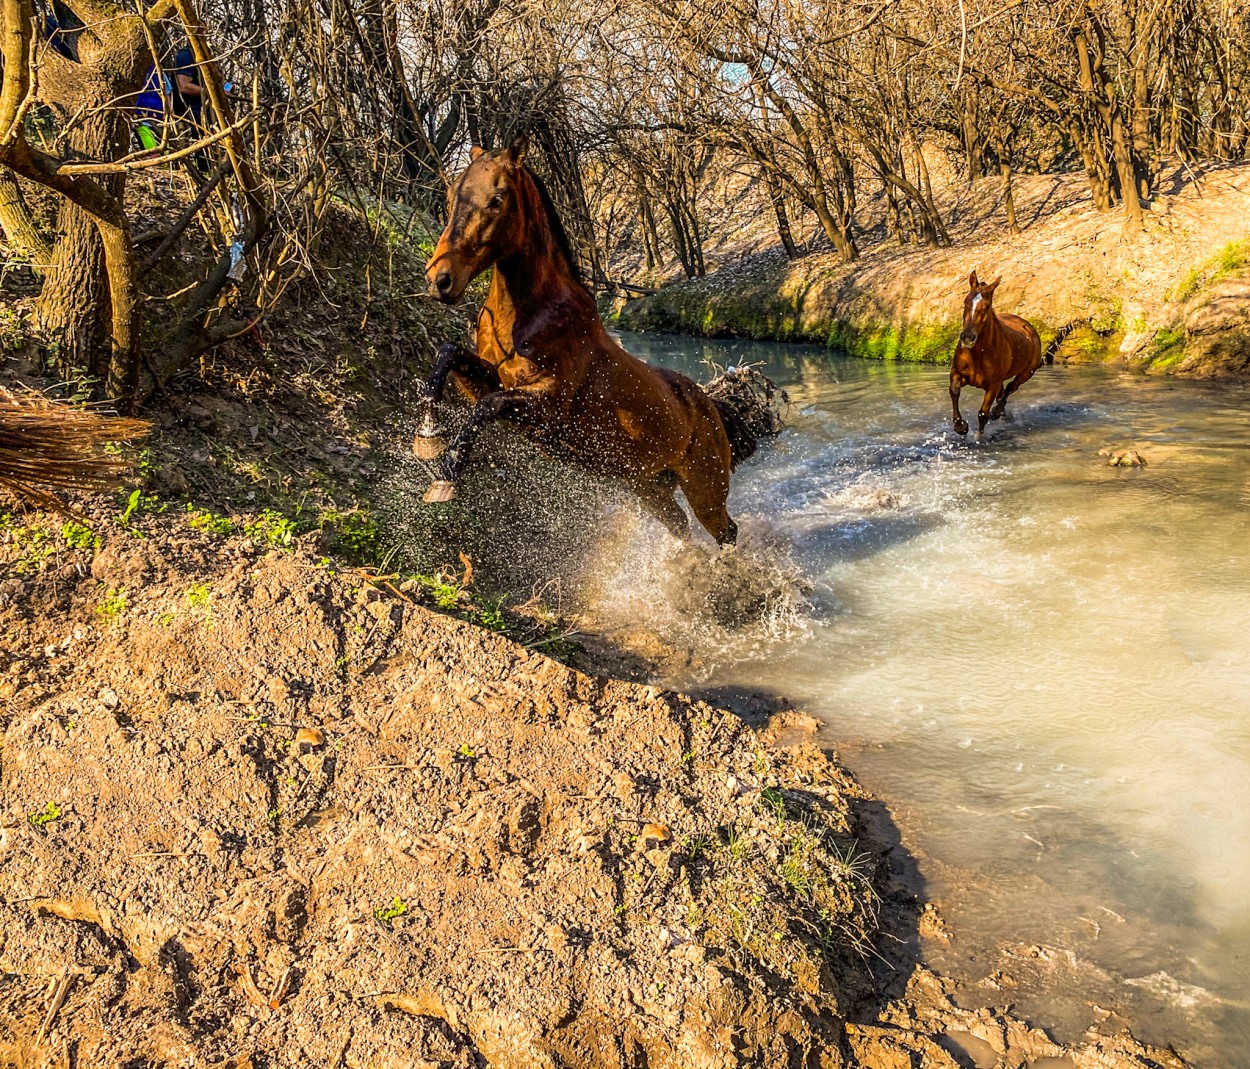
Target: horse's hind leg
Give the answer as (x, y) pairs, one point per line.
(987, 402)
(1001, 407)
(657, 498)
(707, 493)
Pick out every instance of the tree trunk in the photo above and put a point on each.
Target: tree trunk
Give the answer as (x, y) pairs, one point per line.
(74, 311)
(18, 225)
(650, 239)
(974, 150)
(843, 242)
(1097, 83)
(1096, 174)
(778, 201)
(1009, 199)
(679, 240)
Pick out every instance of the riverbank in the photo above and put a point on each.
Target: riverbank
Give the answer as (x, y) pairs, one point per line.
(257, 809)
(1174, 300)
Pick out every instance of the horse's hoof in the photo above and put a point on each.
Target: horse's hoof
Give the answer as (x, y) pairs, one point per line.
(429, 447)
(961, 427)
(440, 490)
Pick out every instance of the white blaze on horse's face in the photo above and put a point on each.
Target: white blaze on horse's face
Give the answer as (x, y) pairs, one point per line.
(972, 321)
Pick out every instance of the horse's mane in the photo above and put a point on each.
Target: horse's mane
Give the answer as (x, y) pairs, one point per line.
(561, 235)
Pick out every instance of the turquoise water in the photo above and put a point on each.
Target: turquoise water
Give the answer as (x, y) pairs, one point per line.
(1042, 663)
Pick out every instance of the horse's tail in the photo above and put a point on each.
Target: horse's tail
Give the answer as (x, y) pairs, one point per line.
(1061, 335)
(750, 406)
(742, 440)
(48, 445)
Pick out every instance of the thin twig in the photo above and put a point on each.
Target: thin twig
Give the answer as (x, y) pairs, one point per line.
(280, 989)
(192, 210)
(58, 1000)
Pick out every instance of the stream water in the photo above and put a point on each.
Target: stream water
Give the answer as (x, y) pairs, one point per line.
(1040, 662)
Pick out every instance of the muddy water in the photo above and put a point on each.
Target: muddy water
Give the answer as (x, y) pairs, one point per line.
(1041, 662)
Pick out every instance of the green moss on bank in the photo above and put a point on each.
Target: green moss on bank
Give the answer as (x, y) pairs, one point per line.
(761, 312)
(1232, 257)
(693, 310)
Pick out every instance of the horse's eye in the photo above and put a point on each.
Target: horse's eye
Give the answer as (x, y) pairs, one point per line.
(496, 201)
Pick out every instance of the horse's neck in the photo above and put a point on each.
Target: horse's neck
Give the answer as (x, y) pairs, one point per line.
(992, 333)
(535, 288)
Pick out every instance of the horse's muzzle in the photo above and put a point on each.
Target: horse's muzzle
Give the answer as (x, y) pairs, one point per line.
(967, 339)
(442, 286)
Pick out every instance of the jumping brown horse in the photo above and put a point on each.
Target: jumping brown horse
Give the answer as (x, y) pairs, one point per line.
(545, 360)
(992, 349)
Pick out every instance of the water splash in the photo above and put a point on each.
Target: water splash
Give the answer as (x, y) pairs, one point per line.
(718, 605)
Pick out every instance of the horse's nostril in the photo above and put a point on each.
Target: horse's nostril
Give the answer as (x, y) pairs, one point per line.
(443, 281)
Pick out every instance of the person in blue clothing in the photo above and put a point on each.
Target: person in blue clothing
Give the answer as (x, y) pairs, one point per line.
(188, 95)
(150, 108)
(58, 38)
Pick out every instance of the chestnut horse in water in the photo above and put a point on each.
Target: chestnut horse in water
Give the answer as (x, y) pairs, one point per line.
(992, 349)
(545, 360)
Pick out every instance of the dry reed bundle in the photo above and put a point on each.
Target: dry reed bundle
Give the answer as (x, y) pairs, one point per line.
(50, 445)
(758, 401)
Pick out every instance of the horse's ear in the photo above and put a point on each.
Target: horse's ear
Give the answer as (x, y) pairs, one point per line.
(994, 285)
(475, 151)
(972, 281)
(515, 152)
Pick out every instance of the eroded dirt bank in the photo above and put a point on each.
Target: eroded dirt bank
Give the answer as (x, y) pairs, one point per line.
(1175, 299)
(256, 811)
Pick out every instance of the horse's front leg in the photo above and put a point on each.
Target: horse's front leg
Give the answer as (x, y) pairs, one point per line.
(961, 424)
(987, 403)
(493, 406)
(430, 442)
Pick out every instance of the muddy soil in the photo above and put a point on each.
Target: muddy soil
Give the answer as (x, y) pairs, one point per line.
(257, 810)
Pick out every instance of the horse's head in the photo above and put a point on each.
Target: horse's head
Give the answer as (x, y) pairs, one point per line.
(977, 308)
(485, 223)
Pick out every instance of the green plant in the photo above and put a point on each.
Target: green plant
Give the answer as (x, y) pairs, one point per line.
(138, 502)
(737, 845)
(446, 595)
(397, 908)
(696, 845)
(42, 818)
(271, 528)
(492, 617)
(112, 606)
(79, 536)
(356, 533)
(199, 595)
(12, 329)
(466, 750)
(795, 867)
(30, 543)
(1232, 257)
(772, 799)
(204, 520)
